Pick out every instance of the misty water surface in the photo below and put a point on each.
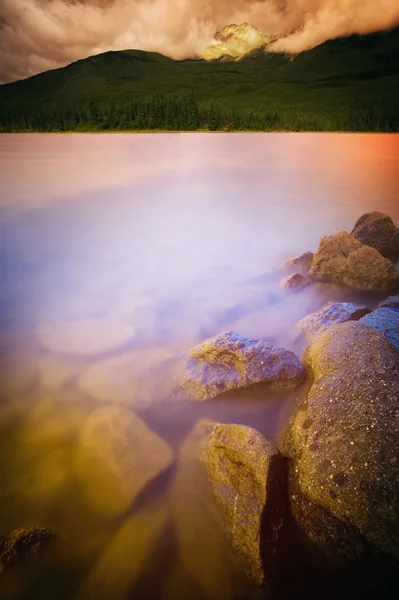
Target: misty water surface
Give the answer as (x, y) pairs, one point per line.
(117, 254)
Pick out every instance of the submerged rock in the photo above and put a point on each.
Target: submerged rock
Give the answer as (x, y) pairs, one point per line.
(118, 456)
(378, 231)
(344, 484)
(299, 264)
(342, 259)
(295, 282)
(231, 361)
(136, 379)
(85, 338)
(329, 315)
(385, 320)
(22, 546)
(248, 476)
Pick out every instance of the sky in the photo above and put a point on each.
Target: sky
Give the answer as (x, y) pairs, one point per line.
(37, 35)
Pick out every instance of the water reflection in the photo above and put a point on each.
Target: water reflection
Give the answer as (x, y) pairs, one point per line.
(118, 253)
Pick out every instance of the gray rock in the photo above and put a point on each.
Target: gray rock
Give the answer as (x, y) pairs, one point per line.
(248, 476)
(342, 259)
(378, 231)
(118, 455)
(295, 282)
(299, 264)
(344, 483)
(331, 314)
(22, 546)
(391, 302)
(231, 361)
(385, 320)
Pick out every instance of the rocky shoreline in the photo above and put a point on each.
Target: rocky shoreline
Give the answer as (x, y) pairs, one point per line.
(335, 478)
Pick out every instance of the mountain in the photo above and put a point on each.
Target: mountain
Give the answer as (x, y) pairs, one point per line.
(322, 88)
(235, 41)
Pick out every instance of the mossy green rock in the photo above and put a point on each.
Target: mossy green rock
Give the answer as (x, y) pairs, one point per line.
(344, 483)
(248, 475)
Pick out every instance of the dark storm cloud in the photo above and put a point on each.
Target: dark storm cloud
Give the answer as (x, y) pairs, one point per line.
(36, 35)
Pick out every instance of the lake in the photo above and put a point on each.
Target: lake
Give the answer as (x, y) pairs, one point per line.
(118, 253)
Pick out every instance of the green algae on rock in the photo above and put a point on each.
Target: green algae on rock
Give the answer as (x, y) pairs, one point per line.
(231, 361)
(344, 482)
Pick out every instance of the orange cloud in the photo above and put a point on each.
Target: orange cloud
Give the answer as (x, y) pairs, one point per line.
(36, 35)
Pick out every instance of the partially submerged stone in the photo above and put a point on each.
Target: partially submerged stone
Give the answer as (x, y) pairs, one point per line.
(248, 476)
(231, 361)
(331, 314)
(342, 259)
(299, 264)
(85, 338)
(344, 484)
(377, 230)
(118, 455)
(22, 546)
(385, 320)
(204, 550)
(295, 282)
(391, 302)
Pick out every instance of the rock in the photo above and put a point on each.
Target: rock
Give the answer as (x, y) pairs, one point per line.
(231, 361)
(295, 282)
(385, 320)
(136, 379)
(118, 455)
(55, 371)
(248, 475)
(204, 550)
(344, 484)
(85, 338)
(342, 259)
(329, 315)
(299, 264)
(126, 555)
(22, 546)
(391, 302)
(378, 231)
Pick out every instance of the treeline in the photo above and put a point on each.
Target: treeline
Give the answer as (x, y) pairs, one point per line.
(184, 113)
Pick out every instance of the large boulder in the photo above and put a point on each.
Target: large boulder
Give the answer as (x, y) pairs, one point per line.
(299, 264)
(342, 259)
(248, 475)
(344, 483)
(331, 314)
(378, 231)
(231, 361)
(118, 455)
(22, 546)
(385, 320)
